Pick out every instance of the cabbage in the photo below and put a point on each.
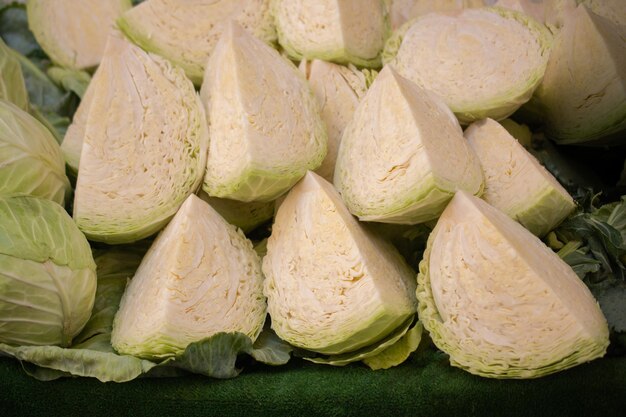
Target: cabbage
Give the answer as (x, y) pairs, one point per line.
(341, 31)
(402, 11)
(186, 31)
(614, 10)
(500, 302)
(462, 59)
(246, 216)
(200, 277)
(265, 126)
(403, 155)
(73, 34)
(47, 273)
(583, 96)
(332, 286)
(30, 159)
(532, 8)
(515, 183)
(12, 87)
(144, 146)
(338, 90)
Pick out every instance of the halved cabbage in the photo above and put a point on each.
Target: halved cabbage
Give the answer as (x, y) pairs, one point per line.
(515, 182)
(144, 147)
(47, 273)
(403, 155)
(265, 126)
(584, 95)
(342, 31)
(200, 277)
(482, 62)
(246, 216)
(402, 11)
(500, 302)
(12, 87)
(332, 286)
(186, 31)
(74, 33)
(338, 90)
(30, 158)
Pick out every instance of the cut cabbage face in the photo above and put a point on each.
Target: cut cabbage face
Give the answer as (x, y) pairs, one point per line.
(515, 182)
(264, 122)
(403, 155)
(47, 274)
(72, 33)
(186, 31)
(144, 147)
(30, 159)
(499, 301)
(473, 60)
(338, 90)
(200, 277)
(584, 95)
(614, 10)
(332, 286)
(12, 87)
(404, 10)
(246, 216)
(341, 31)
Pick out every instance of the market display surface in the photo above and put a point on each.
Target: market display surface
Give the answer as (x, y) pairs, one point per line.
(340, 207)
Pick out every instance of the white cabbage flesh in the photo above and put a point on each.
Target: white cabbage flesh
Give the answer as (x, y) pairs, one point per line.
(144, 148)
(338, 90)
(30, 159)
(555, 12)
(482, 62)
(533, 8)
(200, 277)
(404, 10)
(186, 31)
(246, 216)
(342, 31)
(74, 33)
(500, 302)
(403, 155)
(264, 122)
(584, 94)
(332, 286)
(614, 10)
(515, 182)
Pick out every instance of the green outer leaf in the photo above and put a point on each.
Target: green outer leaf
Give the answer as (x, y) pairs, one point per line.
(12, 86)
(270, 349)
(397, 353)
(71, 80)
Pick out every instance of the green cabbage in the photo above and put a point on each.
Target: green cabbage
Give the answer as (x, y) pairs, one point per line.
(12, 87)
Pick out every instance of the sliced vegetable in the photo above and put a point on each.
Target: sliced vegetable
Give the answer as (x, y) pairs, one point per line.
(405, 10)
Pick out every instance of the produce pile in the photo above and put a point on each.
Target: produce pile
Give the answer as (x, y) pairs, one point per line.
(203, 186)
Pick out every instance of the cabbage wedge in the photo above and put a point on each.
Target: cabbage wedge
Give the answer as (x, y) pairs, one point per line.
(200, 277)
(342, 31)
(74, 33)
(403, 155)
(332, 286)
(515, 182)
(461, 58)
(500, 302)
(144, 146)
(265, 126)
(185, 32)
(30, 159)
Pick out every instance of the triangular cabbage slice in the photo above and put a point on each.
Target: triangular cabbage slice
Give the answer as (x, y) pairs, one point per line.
(338, 90)
(265, 126)
(403, 155)
(144, 146)
(500, 302)
(200, 277)
(332, 286)
(342, 31)
(515, 182)
(482, 62)
(74, 33)
(185, 32)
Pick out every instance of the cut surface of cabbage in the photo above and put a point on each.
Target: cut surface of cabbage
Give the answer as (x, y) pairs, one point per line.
(200, 277)
(144, 147)
(515, 182)
(332, 286)
(500, 302)
(403, 155)
(264, 122)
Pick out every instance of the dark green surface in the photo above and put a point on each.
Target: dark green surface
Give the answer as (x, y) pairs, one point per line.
(424, 386)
